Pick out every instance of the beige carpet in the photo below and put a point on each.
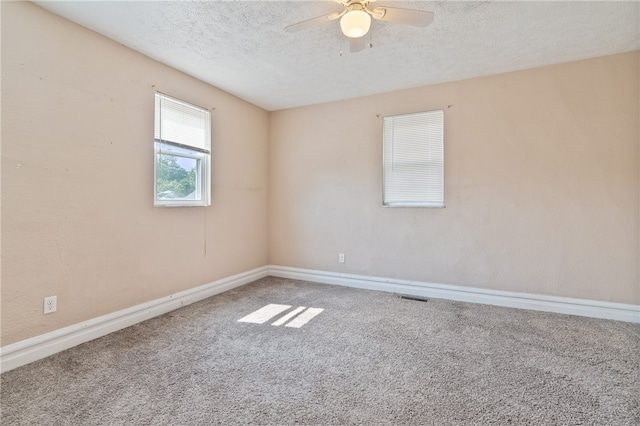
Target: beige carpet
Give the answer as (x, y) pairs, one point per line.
(366, 358)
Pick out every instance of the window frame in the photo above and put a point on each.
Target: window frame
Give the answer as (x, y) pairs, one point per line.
(424, 203)
(201, 155)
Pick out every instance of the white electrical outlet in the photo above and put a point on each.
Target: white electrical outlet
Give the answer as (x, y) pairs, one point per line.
(341, 257)
(50, 304)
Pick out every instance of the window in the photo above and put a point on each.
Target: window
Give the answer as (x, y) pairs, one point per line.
(413, 160)
(182, 153)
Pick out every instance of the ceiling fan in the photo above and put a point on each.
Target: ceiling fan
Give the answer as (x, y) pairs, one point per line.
(355, 20)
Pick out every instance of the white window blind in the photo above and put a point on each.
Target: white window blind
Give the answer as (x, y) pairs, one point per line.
(180, 123)
(413, 160)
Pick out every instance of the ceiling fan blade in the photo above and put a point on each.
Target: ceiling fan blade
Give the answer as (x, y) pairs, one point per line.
(312, 22)
(418, 18)
(357, 44)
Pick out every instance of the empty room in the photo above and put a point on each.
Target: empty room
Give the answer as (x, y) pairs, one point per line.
(320, 212)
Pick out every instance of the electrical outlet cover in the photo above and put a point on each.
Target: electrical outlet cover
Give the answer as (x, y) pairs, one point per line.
(50, 304)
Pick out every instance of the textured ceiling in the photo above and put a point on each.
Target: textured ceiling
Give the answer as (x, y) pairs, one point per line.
(241, 47)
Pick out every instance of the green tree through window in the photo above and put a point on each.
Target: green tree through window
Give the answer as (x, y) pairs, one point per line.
(174, 180)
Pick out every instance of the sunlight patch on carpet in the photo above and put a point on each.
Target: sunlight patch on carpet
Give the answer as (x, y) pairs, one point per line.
(264, 314)
(304, 317)
(295, 318)
(290, 315)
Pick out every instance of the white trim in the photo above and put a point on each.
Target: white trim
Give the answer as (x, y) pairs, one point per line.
(38, 347)
(563, 305)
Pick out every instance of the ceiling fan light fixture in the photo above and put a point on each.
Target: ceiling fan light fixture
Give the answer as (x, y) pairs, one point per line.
(355, 23)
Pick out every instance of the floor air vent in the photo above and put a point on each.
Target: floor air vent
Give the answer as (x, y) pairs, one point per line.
(416, 298)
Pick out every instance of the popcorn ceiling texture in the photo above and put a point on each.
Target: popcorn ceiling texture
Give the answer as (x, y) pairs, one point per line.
(241, 46)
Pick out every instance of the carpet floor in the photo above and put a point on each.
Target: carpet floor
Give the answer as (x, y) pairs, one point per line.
(367, 358)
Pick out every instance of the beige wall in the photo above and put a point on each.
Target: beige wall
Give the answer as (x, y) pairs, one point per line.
(542, 182)
(541, 185)
(77, 179)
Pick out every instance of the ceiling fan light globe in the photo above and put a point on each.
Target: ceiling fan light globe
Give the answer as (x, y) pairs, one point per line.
(355, 23)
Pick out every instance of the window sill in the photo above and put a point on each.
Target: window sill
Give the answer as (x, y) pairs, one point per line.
(187, 204)
(413, 206)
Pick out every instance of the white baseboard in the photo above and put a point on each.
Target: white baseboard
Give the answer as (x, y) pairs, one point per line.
(35, 348)
(563, 305)
(38, 347)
